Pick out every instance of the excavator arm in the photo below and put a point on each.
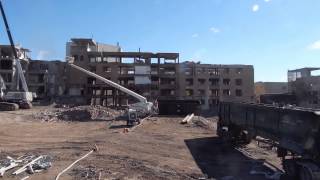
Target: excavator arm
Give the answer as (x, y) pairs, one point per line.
(140, 109)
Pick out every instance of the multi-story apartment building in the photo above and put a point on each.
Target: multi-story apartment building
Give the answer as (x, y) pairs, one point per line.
(47, 78)
(157, 76)
(305, 86)
(8, 67)
(211, 83)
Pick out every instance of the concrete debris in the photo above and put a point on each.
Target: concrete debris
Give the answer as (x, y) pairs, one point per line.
(28, 164)
(27, 177)
(89, 172)
(187, 119)
(7, 165)
(202, 122)
(79, 113)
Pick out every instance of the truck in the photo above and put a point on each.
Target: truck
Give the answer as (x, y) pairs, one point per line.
(294, 131)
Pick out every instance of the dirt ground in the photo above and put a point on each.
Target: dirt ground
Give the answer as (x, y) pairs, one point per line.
(160, 148)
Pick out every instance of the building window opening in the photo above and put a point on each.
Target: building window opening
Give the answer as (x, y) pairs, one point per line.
(238, 92)
(226, 92)
(238, 82)
(226, 82)
(189, 92)
(189, 82)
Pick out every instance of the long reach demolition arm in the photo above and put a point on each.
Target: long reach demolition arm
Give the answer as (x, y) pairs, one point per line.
(111, 83)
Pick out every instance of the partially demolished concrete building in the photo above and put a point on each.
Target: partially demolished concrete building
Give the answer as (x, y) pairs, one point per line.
(157, 76)
(8, 65)
(47, 78)
(305, 86)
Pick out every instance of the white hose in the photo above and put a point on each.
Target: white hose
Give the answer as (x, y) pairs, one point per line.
(58, 176)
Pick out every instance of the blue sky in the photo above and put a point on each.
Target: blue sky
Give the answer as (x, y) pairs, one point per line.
(272, 35)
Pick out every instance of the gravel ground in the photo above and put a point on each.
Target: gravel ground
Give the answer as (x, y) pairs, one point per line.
(160, 148)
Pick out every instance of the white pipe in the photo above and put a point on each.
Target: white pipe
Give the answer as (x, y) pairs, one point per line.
(66, 169)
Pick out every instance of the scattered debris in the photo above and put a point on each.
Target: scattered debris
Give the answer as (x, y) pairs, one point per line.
(79, 113)
(89, 172)
(202, 122)
(187, 119)
(7, 164)
(29, 164)
(27, 177)
(95, 148)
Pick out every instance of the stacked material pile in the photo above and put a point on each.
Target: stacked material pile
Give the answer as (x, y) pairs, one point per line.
(79, 113)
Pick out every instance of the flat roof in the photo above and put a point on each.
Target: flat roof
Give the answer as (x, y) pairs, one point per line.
(306, 68)
(89, 41)
(17, 47)
(144, 55)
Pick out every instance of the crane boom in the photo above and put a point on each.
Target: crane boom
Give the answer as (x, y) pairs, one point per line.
(111, 83)
(19, 68)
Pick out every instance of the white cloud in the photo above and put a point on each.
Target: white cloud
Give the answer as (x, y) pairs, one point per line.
(195, 35)
(215, 30)
(42, 54)
(255, 8)
(315, 45)
(266, 0)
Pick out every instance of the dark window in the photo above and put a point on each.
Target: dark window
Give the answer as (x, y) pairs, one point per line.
(167, 92)
(75, 57)
(238, 82)
(91, 80)
(215, 92)
(201, 92)
(202, 101)
(214, 82)
(81, 58)
(40, 90)
(238, 92)
(201, 81)
(93, 69)
(7, 77)
(107, 69)
(43, 66)
(226, 92)
(6, 64)
(226, 81)
(189, 82)
(189, 92)
(41, 78)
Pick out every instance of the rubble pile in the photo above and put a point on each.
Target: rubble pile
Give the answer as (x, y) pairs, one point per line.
(28, 163)
(79, 113)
